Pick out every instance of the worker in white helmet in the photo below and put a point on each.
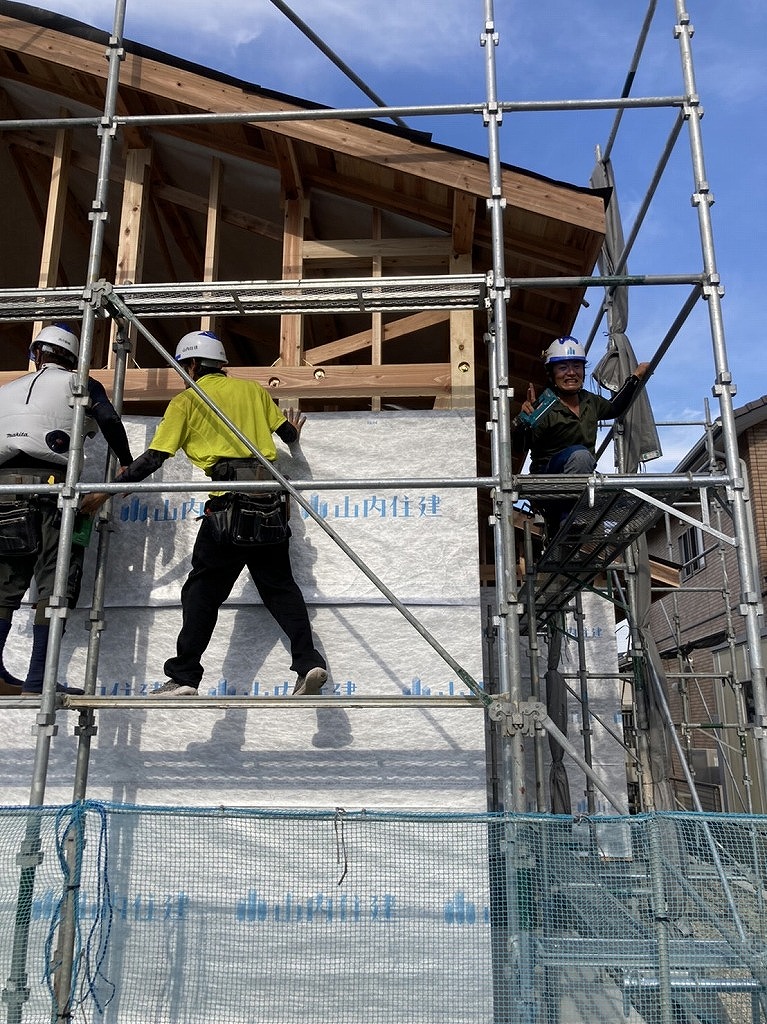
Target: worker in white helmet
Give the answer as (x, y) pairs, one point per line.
(237, 530)
(561, 425)
(35, 427)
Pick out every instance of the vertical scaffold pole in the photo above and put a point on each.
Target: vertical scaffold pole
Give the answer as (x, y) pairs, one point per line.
(75, 461)
(514, 980)
(724, 390)
(86, 730)
(17, 992)
(506, 584)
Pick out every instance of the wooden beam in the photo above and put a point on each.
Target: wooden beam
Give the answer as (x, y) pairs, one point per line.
(287, 164)
(37, 167)
(410, 251)
(547, 257)
(404, 380)
(464, 222)
(555, 257)
(55, 210)
(462, 363)
(291, 324)
(229, 215)
(54, 216)
(462, 368)
(130, 249)
(391, 151)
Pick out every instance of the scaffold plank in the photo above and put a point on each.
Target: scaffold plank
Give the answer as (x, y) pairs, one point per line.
(240, 298)
(590, 539)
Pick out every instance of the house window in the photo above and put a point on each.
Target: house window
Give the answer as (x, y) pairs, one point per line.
(691, 552)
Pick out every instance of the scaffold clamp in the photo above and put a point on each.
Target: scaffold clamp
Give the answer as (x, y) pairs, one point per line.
(525, 716)
(100, 292)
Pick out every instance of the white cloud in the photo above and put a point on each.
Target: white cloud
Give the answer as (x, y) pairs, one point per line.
(383, 35)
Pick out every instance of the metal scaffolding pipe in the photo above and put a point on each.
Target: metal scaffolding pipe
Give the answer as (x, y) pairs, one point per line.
(641, 214)
(631, 73)
(312, 36)
(338, 113)
(506, 584)
(725, 391)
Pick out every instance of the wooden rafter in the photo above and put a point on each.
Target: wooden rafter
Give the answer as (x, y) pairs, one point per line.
(390, 150)
(333, 253)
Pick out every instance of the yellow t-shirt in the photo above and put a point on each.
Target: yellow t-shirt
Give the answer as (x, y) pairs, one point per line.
(191, 425)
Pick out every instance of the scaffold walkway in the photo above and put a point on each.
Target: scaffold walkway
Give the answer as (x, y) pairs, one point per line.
(601, 525)
(246, 298)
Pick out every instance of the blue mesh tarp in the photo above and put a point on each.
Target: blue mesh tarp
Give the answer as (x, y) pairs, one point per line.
(138, 914)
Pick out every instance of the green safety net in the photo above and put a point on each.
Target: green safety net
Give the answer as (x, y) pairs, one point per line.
(118, 913)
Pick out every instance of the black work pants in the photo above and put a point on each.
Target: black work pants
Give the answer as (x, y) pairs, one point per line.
(216, 566)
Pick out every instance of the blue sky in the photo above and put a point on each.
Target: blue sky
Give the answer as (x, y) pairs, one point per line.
(428, 53)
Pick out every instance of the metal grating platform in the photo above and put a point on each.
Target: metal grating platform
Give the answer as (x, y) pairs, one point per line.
(241, 298)
(591, 538)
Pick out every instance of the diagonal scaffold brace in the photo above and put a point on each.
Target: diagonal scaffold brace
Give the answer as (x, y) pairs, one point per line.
(528, 717)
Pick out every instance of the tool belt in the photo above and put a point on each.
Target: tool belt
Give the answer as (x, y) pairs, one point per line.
(246, 520)
(239, 469)
(12, 476)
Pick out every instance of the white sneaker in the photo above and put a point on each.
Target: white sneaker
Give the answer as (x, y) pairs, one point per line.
(311, 683)
(171, 688)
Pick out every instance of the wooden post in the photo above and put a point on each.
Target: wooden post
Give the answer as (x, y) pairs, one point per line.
(130, 249)
(54, 218)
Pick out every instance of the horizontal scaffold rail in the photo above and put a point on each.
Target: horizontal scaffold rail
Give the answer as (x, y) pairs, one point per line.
(480, 107)
(241, 298)
(219, 702)
(262, 298)
(553, 485)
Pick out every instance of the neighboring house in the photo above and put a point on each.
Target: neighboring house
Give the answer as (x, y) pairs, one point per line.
(699, 628)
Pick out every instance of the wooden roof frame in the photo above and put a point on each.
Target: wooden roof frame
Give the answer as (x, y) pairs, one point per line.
(306, 175)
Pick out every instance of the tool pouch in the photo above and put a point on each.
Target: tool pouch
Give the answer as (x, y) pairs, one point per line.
(248, 520)
(19, 528)
(258, 519)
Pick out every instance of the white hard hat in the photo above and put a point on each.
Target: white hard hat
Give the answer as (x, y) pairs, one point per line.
(58, 336)
(201, 345)
(562, 349)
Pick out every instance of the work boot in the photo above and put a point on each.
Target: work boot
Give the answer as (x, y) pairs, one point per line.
(311, 683)
(170, 688)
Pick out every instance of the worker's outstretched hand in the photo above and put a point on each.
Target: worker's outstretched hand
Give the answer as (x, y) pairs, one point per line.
(92, 502)
(529, 403)
(296, 418)
(641, 370)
